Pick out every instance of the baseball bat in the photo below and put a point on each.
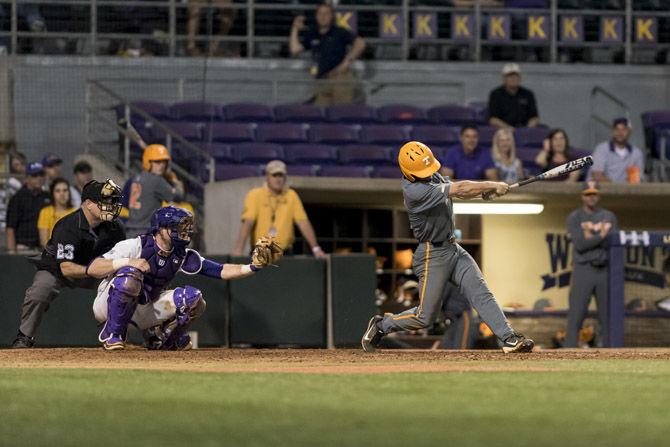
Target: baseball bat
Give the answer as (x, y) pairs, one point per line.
(131, 133)
(570, 166)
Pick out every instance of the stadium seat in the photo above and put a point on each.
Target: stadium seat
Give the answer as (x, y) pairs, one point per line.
(333, 134)
(298, 113)
(281, 133)
(452, 114)
(530, 136)
(387, 172)
(229, 132)
(365, 154)
(257, 152)
(385, 134)
(654, 122)
(401, 113)
(310, 154)
(230, 172)
(351, 113)
(248, 112)
(435, 135)
(481, 109)
(156, 109)
(195, 111)
(302, 170)
(527, 156)
(188, 131)
(344, 171)
(527, 4)
(220, 152)
(486, 134)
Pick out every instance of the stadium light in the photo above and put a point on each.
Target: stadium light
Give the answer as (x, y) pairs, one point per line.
(497, 208)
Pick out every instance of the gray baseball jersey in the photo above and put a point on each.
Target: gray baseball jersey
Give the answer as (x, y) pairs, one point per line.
(147, 192)
(431, 214)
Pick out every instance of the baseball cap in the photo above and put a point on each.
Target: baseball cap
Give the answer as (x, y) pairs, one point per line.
(509, 69)
(275, 167)
(50, 160)
(621, 120)
(83, 166)
(35, 168)
(591, 187)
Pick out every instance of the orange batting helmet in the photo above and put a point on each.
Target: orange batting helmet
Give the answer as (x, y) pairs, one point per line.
(416, 160)
(154, 152)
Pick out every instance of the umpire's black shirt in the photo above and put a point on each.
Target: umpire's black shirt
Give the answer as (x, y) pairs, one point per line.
(73, 240)
(329, 49)
(516, 110)
(22, 213)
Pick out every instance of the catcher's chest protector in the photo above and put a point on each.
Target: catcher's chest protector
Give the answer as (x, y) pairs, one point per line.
(163, 268)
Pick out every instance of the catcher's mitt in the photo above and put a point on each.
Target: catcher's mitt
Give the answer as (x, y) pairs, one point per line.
(266, 251)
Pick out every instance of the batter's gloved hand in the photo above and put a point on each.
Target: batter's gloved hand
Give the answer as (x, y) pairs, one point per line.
(266, 251)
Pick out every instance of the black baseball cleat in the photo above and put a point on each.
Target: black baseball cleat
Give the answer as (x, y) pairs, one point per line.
(22, 341)
(372, 335)
(517, 343)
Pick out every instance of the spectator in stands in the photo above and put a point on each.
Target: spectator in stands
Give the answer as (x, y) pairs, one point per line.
(503, 151)
(511, 105)
(617, 160)
(272, 210)
(83, 173)
(226, 16)
(23, 210)
(17, 171)
(155, 184)
(53, 167)
(468, 161)
(328, 43)
(61, 206)
(587, 228)
(31, 17)
(555, 152)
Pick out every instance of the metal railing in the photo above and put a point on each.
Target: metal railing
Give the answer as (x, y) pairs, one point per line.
(174, 11)
(599, 121)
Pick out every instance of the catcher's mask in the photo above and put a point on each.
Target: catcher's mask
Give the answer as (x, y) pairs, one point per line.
(179, 221)
(106, 195)
(416, 160)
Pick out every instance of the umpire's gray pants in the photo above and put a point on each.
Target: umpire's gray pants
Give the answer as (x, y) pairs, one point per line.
(586, 281)
(39, 296)
(435, 267)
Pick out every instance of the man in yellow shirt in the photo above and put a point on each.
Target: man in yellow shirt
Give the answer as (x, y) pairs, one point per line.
(271, 210)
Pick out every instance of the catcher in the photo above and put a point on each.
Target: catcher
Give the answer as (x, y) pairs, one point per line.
(138, 271)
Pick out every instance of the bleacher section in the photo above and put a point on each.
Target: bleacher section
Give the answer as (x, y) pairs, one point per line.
(343, 141)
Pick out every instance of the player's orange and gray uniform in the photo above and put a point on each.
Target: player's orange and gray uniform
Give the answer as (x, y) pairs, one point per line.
(589, 271)
(438, 260)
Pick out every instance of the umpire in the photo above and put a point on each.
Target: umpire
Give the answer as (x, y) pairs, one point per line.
(77, 239)
(588, 227)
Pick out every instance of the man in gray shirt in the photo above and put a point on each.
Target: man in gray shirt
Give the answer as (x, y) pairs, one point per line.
(588, 227)
(150, 188)
(438, 259)
(617, 160)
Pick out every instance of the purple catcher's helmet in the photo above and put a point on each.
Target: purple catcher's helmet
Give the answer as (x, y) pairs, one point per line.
(178, 220)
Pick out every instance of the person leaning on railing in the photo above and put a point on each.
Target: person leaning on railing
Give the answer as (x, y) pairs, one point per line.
(328, 43)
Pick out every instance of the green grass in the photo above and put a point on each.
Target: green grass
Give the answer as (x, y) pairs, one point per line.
(591, 403)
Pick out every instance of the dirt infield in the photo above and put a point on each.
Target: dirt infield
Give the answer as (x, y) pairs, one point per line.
(339, 361)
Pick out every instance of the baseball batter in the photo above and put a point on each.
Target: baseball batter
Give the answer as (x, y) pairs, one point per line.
(438, 259)
(138, 271)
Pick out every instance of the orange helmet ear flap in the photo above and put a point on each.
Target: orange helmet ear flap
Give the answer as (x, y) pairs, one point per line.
(416, 160)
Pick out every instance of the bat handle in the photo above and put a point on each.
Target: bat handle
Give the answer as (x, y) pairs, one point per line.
(488, 195)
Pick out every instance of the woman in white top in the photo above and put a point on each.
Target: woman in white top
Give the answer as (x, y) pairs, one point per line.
(503, 151)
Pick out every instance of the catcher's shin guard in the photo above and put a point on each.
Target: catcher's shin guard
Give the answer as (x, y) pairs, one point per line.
(171, 335)
(122, 301)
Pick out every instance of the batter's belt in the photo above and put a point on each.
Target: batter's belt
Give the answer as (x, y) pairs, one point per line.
(450, 240)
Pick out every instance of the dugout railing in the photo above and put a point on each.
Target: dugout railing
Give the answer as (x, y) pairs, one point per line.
(91, 22)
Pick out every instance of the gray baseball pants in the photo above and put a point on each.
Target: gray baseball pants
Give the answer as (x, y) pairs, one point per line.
(435, 267)
(586, 282)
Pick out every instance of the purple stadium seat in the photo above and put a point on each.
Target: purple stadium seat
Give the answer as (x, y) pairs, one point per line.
(481, 109)
(188, 131)
(392, 134)
(486, 134)
(351, 113)
(248, 111)
(229, 132)
(530, 136)
(333, 134)
(281, 133)
(655, 124)
(435, 135)
(257, 152)
(219, 151)
(528, 4)
(298, 113)
(527, 156)
(310, 154)
(401, 113)
(196, 111)
(387, 172)
(579, 153)
(230, 172)
(345, 171)
(156, 109)
(452, 114)
(365, 154)
(302, 170)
